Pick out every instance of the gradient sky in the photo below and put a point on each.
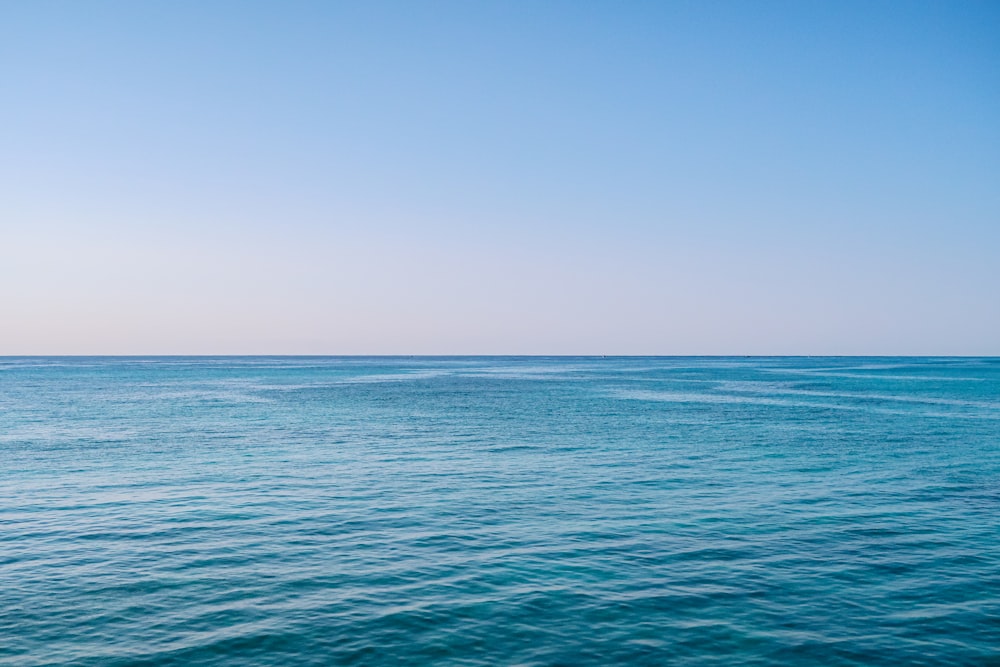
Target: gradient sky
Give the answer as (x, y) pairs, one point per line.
(499, 178)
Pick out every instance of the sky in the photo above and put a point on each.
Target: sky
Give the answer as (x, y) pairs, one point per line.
(545, 177)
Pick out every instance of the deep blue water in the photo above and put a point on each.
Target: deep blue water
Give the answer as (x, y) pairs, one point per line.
(499, 511)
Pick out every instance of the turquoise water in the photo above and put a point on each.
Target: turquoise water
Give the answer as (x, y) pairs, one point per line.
(499, 511)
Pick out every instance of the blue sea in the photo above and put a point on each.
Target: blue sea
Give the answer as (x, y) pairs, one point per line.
(499, 511)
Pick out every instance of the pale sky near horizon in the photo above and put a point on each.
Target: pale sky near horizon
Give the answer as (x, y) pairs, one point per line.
(500, 178)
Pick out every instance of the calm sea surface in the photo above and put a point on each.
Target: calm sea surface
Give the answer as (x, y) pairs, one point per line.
(499, 511)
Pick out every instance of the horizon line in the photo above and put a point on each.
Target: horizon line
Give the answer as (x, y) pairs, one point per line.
(497, 356)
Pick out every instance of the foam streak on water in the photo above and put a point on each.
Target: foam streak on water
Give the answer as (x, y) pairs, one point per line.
(483, 511)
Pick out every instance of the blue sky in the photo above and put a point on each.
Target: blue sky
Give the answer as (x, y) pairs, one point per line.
(536, 178)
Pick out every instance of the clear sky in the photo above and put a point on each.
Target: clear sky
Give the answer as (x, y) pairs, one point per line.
(499, 177)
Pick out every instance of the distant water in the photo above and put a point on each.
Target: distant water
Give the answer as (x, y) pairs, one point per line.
(499, 511)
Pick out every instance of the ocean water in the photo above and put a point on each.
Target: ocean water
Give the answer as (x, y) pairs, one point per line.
(499, 511)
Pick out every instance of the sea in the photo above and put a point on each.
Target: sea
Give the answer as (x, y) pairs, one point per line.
(479, 511)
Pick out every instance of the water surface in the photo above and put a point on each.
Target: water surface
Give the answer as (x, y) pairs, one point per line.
(499, 511)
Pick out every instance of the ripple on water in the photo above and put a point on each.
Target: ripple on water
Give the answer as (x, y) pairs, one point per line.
(479, 511)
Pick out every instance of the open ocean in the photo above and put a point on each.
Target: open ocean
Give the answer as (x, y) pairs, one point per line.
(499, 511)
